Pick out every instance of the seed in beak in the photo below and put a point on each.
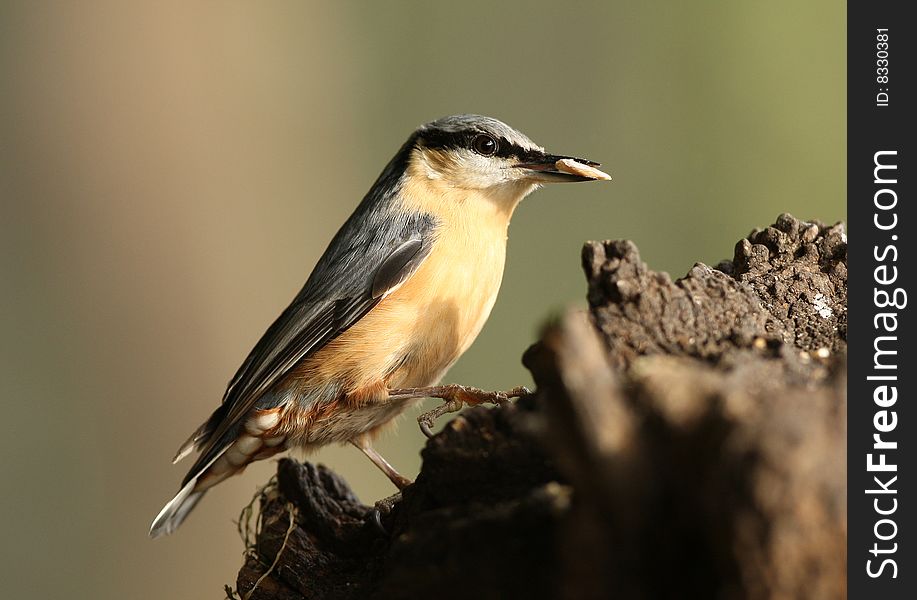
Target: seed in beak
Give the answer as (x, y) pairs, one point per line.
(568, 165)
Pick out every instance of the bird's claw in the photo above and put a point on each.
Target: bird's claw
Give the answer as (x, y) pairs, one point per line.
(383, 507)
(427, 419)
(456, 396)
(376, 516)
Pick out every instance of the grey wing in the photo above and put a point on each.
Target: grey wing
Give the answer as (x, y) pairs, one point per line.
(353, 275)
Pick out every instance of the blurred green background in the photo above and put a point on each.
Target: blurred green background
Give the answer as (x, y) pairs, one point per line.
(170, 173)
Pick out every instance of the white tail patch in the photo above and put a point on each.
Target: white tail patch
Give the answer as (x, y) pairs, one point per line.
(182, 452)
(230, 460)
(175, 511)
(190, 444)
(247, 444)
(260, 423)
(270, 442)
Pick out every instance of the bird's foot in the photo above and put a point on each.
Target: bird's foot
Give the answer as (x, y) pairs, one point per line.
(455, 397)
(426, 420)
(382, 508)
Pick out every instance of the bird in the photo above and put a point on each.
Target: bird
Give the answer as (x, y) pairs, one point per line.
(400, 293)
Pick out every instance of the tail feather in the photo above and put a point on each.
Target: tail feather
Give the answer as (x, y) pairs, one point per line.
(175, 511)
(192, 443)
(201, 435)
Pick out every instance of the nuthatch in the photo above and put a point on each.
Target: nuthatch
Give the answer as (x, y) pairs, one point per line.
(401, 292)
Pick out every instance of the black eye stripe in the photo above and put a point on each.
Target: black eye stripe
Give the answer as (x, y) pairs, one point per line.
(446, 140)
(443, 140)
(509, 150)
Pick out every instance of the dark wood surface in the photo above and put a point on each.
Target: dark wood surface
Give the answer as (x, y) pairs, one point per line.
(686, 440)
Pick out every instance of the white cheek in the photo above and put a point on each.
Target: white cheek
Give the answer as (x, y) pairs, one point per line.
(466, 169)
(481, 172)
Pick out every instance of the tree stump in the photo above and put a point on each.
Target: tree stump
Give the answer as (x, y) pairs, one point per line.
(687, 439)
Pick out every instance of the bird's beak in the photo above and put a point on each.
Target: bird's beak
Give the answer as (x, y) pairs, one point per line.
(553, 168)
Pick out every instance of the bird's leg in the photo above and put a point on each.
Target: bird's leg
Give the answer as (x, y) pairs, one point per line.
(455, 396)
(397, 478)
(384, 506)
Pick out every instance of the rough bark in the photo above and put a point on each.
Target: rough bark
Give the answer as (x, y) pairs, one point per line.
(686, 440)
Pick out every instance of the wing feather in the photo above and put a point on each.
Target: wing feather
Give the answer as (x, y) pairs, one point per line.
(353, 275)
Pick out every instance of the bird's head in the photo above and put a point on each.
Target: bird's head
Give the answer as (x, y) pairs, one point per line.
(477, 153)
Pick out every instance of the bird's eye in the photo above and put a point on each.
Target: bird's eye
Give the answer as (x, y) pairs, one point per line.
(484, 145)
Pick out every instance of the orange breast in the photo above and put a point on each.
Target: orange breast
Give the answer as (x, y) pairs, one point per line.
(415, 333)
(420, 329)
